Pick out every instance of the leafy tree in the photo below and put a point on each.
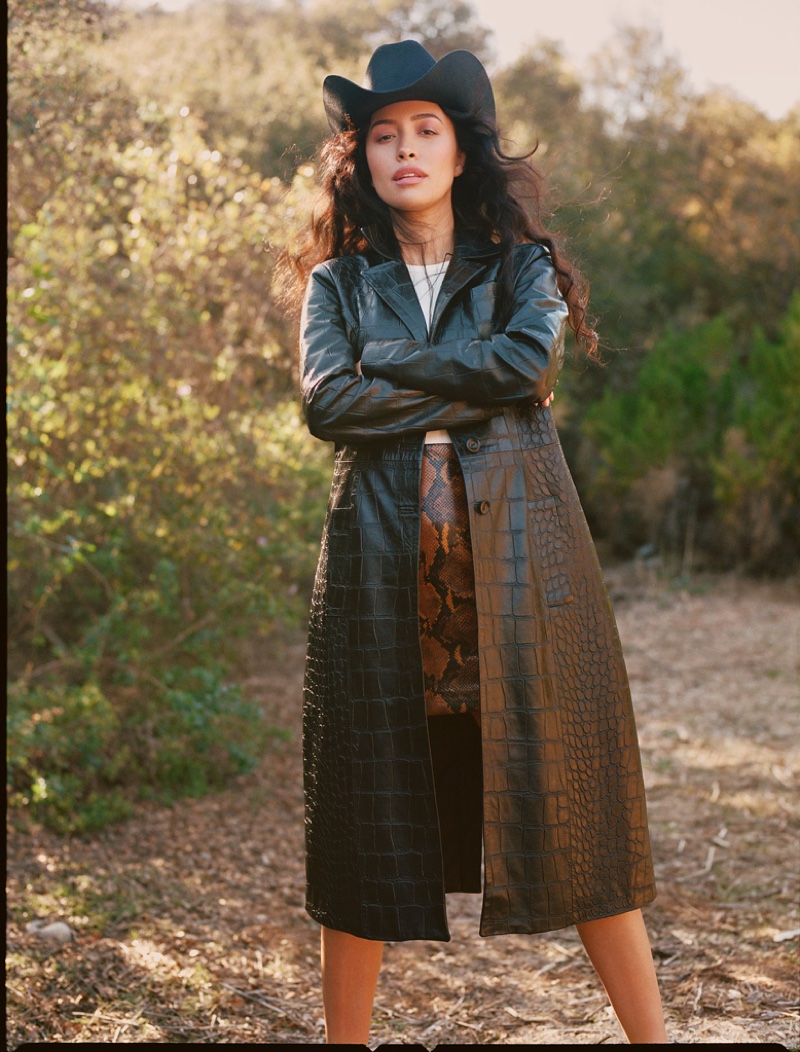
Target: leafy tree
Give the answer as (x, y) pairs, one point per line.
(245, 71)
(738, 206)
(61, 107)
(164, 496)
(253, 73)
(636, 83)
(440, 27)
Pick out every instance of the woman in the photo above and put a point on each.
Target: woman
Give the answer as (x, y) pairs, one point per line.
(465, 688)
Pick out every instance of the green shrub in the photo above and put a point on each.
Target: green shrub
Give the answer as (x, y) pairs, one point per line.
(757, 470)
(64, 753)
(165, 497)
(78, 759)
(700, 455)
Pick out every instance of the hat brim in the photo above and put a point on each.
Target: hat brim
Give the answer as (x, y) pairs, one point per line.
(458, 82)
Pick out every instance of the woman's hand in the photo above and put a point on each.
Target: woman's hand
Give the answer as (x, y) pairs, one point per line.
(549, 400)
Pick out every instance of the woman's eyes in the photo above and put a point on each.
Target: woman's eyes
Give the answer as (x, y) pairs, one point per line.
(388, 136)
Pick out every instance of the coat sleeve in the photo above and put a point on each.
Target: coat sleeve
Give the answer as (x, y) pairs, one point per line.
(519, 364)
(341, 404)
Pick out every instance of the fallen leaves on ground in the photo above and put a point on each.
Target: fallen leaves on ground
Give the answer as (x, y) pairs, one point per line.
(189, 919)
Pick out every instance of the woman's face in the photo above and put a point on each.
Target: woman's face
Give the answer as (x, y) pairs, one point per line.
(413, 157)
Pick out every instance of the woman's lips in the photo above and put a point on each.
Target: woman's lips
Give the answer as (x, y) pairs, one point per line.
(408, 176)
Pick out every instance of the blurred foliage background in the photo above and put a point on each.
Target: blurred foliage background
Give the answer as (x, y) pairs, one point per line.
(165, 501)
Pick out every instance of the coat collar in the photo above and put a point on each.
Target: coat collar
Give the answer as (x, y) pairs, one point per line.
(390, 279)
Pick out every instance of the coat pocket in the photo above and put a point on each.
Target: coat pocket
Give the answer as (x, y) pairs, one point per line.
(551, 549)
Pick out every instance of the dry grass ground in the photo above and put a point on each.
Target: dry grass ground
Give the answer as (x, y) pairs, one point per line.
(190, 923)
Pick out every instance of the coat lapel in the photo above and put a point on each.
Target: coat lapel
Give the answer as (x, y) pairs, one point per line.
(459, 273)
(392, 283)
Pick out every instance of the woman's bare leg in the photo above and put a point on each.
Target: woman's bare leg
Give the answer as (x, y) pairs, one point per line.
(619, 949)
(350, 968)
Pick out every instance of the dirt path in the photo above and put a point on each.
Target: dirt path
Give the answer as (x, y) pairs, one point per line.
(190, 922)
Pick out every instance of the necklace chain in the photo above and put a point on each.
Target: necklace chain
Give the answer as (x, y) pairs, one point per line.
(432, 278)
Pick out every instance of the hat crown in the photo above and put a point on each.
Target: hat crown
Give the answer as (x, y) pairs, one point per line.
(396, 66)
(404, 71)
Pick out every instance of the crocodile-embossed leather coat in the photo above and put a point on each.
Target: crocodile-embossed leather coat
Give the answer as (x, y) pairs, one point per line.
(564, 824)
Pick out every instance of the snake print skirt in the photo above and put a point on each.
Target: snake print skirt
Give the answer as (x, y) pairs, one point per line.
(448, 620)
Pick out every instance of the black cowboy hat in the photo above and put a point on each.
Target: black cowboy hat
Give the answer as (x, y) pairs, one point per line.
(400, 72)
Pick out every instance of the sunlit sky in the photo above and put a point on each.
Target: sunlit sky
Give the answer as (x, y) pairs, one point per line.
(750, 46)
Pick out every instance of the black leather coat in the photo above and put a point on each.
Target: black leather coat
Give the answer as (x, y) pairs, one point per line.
(564, 824)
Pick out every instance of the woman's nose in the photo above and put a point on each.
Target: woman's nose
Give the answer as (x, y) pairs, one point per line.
(404, 152)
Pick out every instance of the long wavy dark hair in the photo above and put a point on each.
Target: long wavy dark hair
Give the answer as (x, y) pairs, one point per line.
(498, 197)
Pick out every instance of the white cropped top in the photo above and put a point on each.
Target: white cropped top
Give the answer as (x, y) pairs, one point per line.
(427, 281)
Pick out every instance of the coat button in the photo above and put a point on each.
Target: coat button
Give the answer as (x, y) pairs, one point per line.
(473, 445)
(483, 507)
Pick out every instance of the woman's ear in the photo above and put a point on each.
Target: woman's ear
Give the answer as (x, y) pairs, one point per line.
(461, 158)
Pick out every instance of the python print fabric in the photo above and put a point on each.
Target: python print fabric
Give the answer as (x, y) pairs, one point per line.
(448, 620)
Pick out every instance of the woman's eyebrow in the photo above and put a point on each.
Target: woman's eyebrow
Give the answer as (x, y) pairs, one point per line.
(415, 117)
